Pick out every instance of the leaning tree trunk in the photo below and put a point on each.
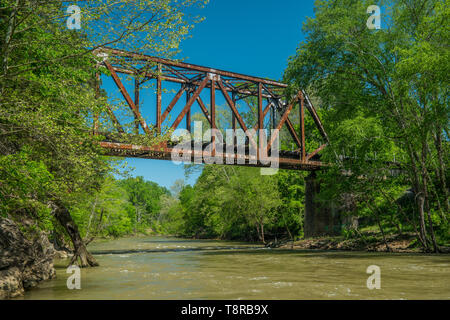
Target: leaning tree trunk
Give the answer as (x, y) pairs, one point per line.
(81, 255)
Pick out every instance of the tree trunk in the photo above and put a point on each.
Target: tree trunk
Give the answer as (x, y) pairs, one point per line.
(430, 222)
(257, 230)
(91, 217)
(420, 196)
(433, 238)
(81, 255)
(375, 211)
(262, 233)
(8, 37)
(425, 191)
(441, 169)
(423, 233)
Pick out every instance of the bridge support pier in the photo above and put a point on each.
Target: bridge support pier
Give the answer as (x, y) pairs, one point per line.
(321, 217)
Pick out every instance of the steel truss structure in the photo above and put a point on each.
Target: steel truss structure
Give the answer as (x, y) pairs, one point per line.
(193, 79)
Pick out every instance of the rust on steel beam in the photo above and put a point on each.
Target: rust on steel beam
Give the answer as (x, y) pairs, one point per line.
(291, 129)
(172, 103)
(315, 116)
(233, 120)
(302, 124)
(161, 147)
(270, 92)
(233, 117)
(188, 113)
(241, 86)
(189, 104)
(136, 103)
(260, 109)
(161, 151)
(260, 119)
(229, 86)
(245, 86)
(203, 108)
(213, 104)
(266, 109)
(213, 115)
(114, 120)
(232, 106)
(127, 97)
(158, 99)
(191, 66)
(184, 81)
(282, 121)
(312, 154)
(235, 111)
(176, 73)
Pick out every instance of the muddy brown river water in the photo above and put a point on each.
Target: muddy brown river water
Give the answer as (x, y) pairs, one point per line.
(172, 268)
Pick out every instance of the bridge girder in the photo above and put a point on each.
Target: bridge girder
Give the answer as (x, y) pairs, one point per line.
(193, 79)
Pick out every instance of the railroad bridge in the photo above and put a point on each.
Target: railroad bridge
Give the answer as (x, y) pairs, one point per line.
(205, 88)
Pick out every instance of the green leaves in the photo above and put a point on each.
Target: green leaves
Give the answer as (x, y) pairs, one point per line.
(48, 101)
(384, 96)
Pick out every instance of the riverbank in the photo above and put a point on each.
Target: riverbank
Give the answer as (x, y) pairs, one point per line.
(25, 260)
(371, 242)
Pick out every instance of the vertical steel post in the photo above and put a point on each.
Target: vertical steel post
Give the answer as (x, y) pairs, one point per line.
(274, 114)
(188, 114)
(158, 99)
(302, 125)
(260, 119)
(233, 117)
(233, 120)
(260, 106)
(136, 103)
(213, 114)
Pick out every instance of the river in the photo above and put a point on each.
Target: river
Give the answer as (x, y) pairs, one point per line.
(172, 268)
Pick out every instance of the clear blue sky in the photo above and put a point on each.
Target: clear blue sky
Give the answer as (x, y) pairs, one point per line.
(254, 37)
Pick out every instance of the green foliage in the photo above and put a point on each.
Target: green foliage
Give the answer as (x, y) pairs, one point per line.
(47, 151)
(381, 94)
(384, 99)
(239, 203)
(47, 103)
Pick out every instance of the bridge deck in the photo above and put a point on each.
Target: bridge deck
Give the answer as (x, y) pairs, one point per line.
(286, 159)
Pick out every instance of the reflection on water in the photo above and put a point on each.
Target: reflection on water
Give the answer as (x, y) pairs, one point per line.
(169, 268)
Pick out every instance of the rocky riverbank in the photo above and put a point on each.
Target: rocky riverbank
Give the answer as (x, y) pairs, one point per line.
(24, 261)
(405, 243)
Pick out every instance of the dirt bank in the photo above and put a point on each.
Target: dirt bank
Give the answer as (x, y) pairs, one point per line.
(369, 242)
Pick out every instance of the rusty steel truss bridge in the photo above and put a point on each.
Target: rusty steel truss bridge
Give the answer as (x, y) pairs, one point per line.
(270, 97)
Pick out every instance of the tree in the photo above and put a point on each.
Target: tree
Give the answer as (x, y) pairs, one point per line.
(145, 196)
(232, 203)
(47, 98)
(152, 27)
(395, 81)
